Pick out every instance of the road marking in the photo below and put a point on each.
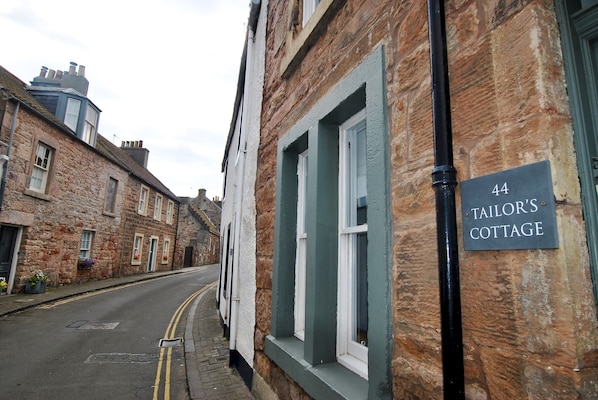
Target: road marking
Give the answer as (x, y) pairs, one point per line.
(170, 335)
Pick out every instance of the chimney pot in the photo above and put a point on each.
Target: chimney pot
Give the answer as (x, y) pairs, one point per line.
(122, 143)
(141, 143)
(51, 74)
(43, 72)
(72, 68)
(82, 71)
(58, 75)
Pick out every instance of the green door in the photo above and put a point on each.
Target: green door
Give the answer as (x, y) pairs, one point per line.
(578, 21)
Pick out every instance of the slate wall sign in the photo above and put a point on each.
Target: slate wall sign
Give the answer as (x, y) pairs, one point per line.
(512, 209)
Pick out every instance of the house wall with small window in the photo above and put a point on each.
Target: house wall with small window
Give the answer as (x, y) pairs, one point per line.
(149, 227)
(346, 221)
(65, 199)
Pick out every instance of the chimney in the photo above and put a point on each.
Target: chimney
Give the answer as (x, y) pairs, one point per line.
(73, 68)
(201, 193)
(134, 148)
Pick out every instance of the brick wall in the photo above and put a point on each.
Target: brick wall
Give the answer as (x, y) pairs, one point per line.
(529, 317)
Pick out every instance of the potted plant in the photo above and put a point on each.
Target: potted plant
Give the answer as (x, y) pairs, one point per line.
(36, 283)
(3, 285)
(85, 263)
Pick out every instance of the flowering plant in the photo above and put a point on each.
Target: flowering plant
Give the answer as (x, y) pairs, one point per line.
(37, 276)
(3, 284)
(136, 256)
(165, 257)
(86, 262)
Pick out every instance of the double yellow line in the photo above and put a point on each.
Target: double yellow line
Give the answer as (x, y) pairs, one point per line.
(171, 334)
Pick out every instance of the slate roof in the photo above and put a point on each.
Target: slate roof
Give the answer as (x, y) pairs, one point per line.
(120, 157)
(18, 90)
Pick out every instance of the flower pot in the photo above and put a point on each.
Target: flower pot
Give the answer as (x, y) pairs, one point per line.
(40, 287)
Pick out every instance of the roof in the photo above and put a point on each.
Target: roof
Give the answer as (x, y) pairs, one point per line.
(120, 157)
(18, 90)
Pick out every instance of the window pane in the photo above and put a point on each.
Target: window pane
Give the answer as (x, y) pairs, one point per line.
(72, 113)
(85, 249)
(300, 260)
(360, 311)
(355, 175)
(39, 172)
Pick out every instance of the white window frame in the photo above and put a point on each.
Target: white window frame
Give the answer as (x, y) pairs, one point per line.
(143, 199)
(350, 353)
(90, 126)
(137, 249)
(41, 168)
(309, 7)
(300, 259)
(86, 243)
(158, 207)
(165, 251)
(71, 116)
(169, 211)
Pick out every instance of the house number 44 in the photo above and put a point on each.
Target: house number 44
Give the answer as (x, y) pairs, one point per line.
(498, 190)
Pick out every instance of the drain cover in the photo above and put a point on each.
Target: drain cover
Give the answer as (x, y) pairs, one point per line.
(120, 358)
(171, 342)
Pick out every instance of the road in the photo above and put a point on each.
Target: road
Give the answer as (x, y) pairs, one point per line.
(104, 345)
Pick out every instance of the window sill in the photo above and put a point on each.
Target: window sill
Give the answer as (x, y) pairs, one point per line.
(109, 214)
(329, 381)
(38, 195)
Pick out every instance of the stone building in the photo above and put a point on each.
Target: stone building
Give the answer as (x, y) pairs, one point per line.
(371, 281)
(198, 235)
(68, 193)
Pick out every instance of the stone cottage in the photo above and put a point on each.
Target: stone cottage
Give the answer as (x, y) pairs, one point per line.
(198, 235)
(425, 193)
(69, 194)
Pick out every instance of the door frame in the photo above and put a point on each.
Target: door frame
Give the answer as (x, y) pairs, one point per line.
(153, 249)
(14, 258)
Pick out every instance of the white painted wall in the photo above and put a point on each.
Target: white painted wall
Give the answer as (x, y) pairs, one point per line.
(241, 199)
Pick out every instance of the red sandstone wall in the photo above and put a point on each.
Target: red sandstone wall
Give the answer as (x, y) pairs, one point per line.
(74, 202)
(529, 316)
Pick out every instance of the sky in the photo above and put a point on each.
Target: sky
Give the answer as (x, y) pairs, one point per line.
(161, 71)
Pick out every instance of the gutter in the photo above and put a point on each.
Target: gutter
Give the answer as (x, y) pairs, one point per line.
(444, 179)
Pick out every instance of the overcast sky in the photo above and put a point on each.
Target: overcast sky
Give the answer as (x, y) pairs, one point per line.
(161, 71)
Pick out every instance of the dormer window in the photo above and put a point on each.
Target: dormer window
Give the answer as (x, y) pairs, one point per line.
(71, 117)
(89, 129)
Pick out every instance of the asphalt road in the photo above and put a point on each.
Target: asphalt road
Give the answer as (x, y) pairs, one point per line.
(102, 346)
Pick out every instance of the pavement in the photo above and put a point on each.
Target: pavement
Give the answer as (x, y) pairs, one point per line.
(206, 349)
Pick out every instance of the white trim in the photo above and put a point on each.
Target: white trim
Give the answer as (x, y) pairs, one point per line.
(158, 207)
(350, 353)
(300, 259)
(143, 200)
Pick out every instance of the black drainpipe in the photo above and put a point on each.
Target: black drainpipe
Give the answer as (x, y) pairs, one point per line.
(444, 179)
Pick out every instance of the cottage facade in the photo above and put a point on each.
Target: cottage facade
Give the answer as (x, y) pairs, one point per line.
(69, 194)
(350, 299)
(198, 232)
